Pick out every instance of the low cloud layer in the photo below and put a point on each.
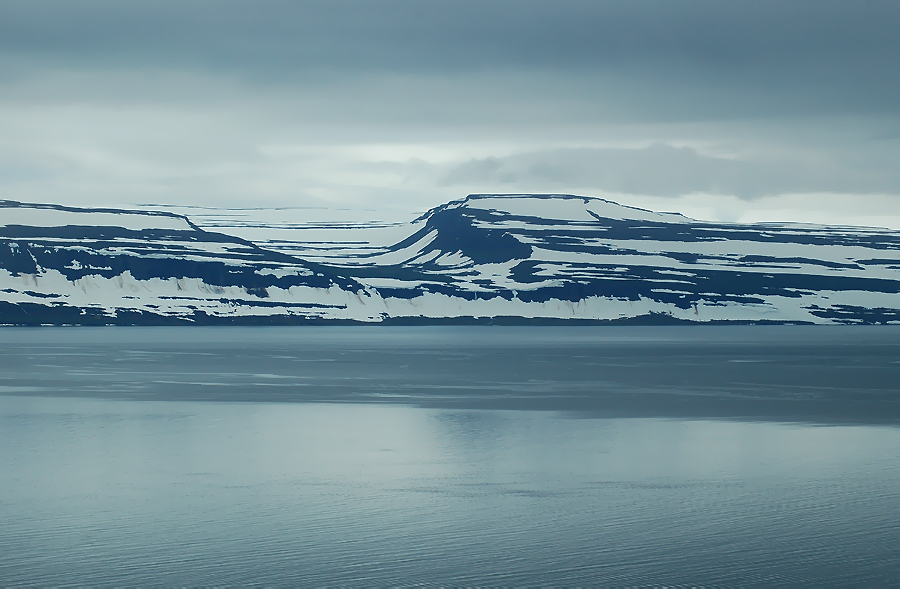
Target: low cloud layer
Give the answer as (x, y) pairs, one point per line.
(668, 171)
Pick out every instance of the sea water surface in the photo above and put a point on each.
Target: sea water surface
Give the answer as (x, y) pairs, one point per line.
(453, 456)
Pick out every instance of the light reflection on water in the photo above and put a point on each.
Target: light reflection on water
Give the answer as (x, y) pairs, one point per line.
(450, 456)
(177, 493)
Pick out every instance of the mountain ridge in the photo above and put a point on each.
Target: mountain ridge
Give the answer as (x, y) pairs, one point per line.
(484, 258)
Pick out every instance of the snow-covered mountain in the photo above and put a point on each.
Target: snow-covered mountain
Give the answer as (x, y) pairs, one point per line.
(67, 265)
(509, 258)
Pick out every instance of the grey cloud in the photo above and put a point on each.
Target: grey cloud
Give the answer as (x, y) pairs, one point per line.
(459, 33)
(186, 101)
(664, 170)
(732, 57)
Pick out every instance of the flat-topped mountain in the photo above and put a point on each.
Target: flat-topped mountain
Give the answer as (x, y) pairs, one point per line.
(71, 265)
(503, 258)
(591, 257)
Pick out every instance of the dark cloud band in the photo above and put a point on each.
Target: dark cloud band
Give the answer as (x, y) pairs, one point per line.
(818, 44)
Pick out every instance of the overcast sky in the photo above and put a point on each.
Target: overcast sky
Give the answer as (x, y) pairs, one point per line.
(755, 110)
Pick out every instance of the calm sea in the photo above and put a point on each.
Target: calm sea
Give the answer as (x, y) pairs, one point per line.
(372, 456)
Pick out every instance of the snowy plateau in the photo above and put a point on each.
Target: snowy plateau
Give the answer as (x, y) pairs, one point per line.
(482, 259)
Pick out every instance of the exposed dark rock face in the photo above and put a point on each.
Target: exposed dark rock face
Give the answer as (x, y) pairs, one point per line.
(484, 258)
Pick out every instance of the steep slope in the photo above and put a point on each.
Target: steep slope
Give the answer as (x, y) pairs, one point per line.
(578, 257)
(69, 265)
(486, 257)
